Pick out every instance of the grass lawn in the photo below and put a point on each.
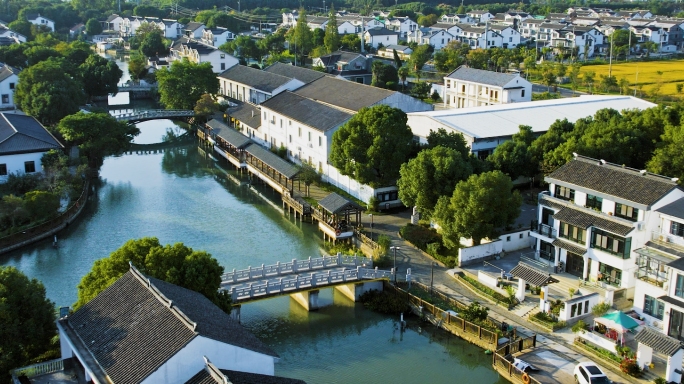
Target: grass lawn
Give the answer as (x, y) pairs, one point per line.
(673, 73)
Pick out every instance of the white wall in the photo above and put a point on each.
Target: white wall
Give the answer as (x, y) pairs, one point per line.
(469, 255)
(15, 163)
(516, 240)
(6, 90)
(582, 309)
(188, 361)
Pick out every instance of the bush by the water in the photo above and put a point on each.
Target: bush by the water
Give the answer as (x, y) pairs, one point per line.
(428, 240)
(384, 302)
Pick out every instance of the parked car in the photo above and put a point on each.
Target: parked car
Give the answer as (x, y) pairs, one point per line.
(524, 366)
(590, 373)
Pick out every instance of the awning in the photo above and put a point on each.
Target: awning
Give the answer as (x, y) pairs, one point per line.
(655, 255)
(335, 203)
(272, 160)
(576, 249)
(532, 275)
(618, 321)
(582, 219)
(228, 134)
(672, 301)
(660, 342)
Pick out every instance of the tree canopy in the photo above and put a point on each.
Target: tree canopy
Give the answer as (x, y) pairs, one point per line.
(175, 264)
(181, 85)
(372, 145)
(479, 208)
(27, 321)
(513, 157)
(96, 135)
(433, 173)
(332, 36)
(93, 27)
(99, 76)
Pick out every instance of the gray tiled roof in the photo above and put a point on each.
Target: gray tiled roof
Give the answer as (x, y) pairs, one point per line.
(614, 180)
(576, 249)
(193, 25)
(335, 203)
(302, 74)
(582, 219)
(532, 275)
(237, 377)
(254, 78)
(24, 134)
(343, 93)
(193, 44)
(306, 111)
(382, 31)
(481, 76)
(247, 114)
(272, 160)
(660, 342)
(675, 209)
(548, 201)
(230, 135)
(339, 56)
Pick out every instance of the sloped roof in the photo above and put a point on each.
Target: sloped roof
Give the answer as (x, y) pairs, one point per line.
(339, 56)
(675, 209)
(660, 342)
(382, 31)
(24, 134)
(7, 71)
(112, 17)
(193, 25)
(532, 275)
(481, 76)
(342, 93)
(335, 203)
(133, 327)
(230, 135)
(582, 219)
(615, 180)
(306, 111)
(272, 160)
(201, 48)
(246, 113)
(254, 78)
(576, 249)
(213, 375)
(302, 74)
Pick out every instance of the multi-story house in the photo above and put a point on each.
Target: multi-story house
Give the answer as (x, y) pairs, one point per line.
(112, 23)
(454, 29)
(585, 40)
(674, 31)
(253, 85)
(469, 87)
(218, 36)
(37, 19)
(9, 77)
(404, 52)
(480, 16)
(380, 36)
(199, 53)
(172, 29)
(597, 220)
(510, 38)
(403, 25)
(347, 65)
(480, 37)
(194, 30)
(458, 18)
(438, 39)
(11, 35)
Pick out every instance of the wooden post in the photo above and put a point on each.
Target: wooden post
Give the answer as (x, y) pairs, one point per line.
(479, 331)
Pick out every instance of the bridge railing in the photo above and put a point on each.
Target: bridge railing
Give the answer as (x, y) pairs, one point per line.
(295, 266)
(301, 282)
(154, 113)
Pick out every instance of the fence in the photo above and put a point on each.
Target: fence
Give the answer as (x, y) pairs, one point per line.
(366, 240)
(37, 369)
(506, 369)
(46, 229)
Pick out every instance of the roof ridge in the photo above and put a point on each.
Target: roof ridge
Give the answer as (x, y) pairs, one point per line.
(145, 281)
(629, 170)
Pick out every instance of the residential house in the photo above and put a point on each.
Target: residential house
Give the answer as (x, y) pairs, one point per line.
(403, 25)
(377, 37)
(23, 142)
(458, 18)
(373, 24)
(194, 30)
(438, 39)
(9, 77)
(199, 53)
(480, 37)
(211, 374)
(112, 23)
(316, 22)
(157, 333)
(469, 87)
(37, 19)
(587, 41)
(454, 29)
(484, 128)
(253, 85)
(218, 36)
(290, 18)
(403, 51)
(347, 65)
(480, 15)
(14, 37)
(171, 29)
(611, 224)
(345, 28)
(510, 38)
(674, 34)
(635, 15)
(244, 117)
(76, 30)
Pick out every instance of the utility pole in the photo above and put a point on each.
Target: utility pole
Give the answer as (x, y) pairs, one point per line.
(610, 60)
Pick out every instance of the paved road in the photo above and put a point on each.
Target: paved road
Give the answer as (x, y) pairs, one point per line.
(564, 92)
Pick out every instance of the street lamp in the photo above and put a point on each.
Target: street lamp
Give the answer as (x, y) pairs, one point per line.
(371, 216)
(432, 275)
(395, 263)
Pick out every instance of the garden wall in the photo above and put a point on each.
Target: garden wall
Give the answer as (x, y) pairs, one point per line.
(479, 253)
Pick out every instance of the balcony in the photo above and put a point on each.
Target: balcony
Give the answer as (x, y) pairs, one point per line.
(672, 243)
(544, 230)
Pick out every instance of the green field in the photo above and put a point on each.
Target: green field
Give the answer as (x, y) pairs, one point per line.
(645, 74)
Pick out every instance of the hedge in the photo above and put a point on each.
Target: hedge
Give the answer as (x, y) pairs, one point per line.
(489, 292)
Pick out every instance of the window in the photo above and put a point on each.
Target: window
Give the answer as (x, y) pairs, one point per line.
(265, 116)
(677, 229)
(508, 238)
(522, 93)
(29, 166)
(679, 287)
(653, 307)
(281, 123)
(223, 66)
(320, 141)
(11, 85)
(223, 55)
(290, 138)
(626, 212)
(388, 196)
(3, 169)
(594, 202)
(300, 131)
(510, 39)
(573, 233)
(564, 193)
(611, 243)
(5, 99)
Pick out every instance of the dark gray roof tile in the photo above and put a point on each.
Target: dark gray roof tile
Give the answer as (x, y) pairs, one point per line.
(532, 275)
(230, 135)
(585, 219)
(24, 134)
(574, 248)
(302, 74)
(305, 111)
(675, 209)
(335, 203)
(246, 113)
(272, 160)
(254, 78)
(660, 342)
(237, 377)
(614, 180)
(343, 93)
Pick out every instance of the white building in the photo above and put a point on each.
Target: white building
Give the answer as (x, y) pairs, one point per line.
(37, 19)
(218, 36)
(380, 36)
(157, 333)
(510, 38)
(9, 77)
(403, 25)
(469, 87)
(480, 37)
(194, 30)
(171, 29)
(484, 128)
(24, 143)
(253, 85)
(480, 16)
(7, 33)
(199, 53)
(438, 39)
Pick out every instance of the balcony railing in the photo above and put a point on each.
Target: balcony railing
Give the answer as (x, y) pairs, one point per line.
(37, 369)
(545, 230)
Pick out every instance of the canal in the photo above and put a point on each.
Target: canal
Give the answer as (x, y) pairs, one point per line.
(185, 195)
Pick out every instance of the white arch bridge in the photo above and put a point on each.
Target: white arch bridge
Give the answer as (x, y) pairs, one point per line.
(154, 114)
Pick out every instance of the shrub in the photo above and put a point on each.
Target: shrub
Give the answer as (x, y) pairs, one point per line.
(600, 309)
(420, 236)
(19, 184)
(579, 326)
(384, 302)
(494, 295)
(373, 204)
(474, 313)
(630, 367)
(659, 380)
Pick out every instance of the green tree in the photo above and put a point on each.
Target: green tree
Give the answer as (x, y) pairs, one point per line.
(350, 42)
(514, 157)
(137, 67)
(622, 38)
(152, 44)
(273, 43)
(244, 47)
(27, 321)
(75, 53)
(608, 83)
(574, 76)
(403, 73)
(453, 140)
(479, 208)
(452, 56)
(99, 76)
(46, 92)
(332, 36)
(421, 90)
(40, 204)
(548, 72)
(37, 53)
(432, 174)
(206, 105)
(547, 142)
(589, 77)
(383, 74)
(13, 55)
(301, 37)
(309, 175)
(478, 58)
(175, 264)
(372, 145)
(93, 27)
(668, 157)
(419, 57)
(185, 82)
(21, 26)
(96, 135)
(427, 20)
